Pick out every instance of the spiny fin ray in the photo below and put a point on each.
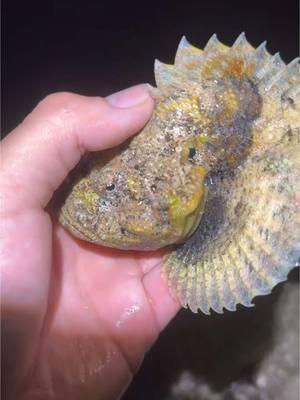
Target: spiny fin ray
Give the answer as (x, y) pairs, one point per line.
(256, 250)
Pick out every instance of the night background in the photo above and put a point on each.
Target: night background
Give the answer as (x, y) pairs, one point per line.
(99, 47)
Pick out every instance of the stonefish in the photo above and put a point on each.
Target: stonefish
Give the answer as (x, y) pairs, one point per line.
(215, 172)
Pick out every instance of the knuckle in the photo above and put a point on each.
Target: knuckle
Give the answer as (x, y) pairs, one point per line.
(61, 107)
(58, 100)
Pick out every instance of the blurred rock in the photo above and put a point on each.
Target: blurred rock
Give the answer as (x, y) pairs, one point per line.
(278, 372)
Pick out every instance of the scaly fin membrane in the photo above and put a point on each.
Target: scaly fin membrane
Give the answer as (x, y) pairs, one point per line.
(248, 239)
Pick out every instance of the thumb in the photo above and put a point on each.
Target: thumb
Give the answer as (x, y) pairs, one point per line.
(39, 153)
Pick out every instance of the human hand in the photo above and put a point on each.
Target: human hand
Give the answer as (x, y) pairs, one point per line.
(77, 319)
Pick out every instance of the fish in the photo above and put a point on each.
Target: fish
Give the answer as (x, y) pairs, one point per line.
(215, 174)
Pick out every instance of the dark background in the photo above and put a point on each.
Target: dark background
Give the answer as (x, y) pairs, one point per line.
(98, 47)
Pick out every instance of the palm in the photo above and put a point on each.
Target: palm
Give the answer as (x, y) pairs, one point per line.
(100, 317)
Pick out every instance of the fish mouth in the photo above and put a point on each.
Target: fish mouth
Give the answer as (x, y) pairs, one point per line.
(66, 220)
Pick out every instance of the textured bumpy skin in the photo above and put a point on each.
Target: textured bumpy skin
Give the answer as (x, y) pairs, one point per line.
(215, 171)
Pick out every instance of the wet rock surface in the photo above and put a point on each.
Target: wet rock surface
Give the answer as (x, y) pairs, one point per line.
(252, 354)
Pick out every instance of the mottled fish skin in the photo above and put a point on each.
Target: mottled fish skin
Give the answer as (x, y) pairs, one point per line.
(216, 171)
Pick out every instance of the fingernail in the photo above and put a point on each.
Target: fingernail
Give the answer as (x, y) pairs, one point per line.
(129, 97)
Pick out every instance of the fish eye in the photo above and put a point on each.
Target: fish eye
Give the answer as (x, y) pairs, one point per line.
(110, 187)
(192, 153)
